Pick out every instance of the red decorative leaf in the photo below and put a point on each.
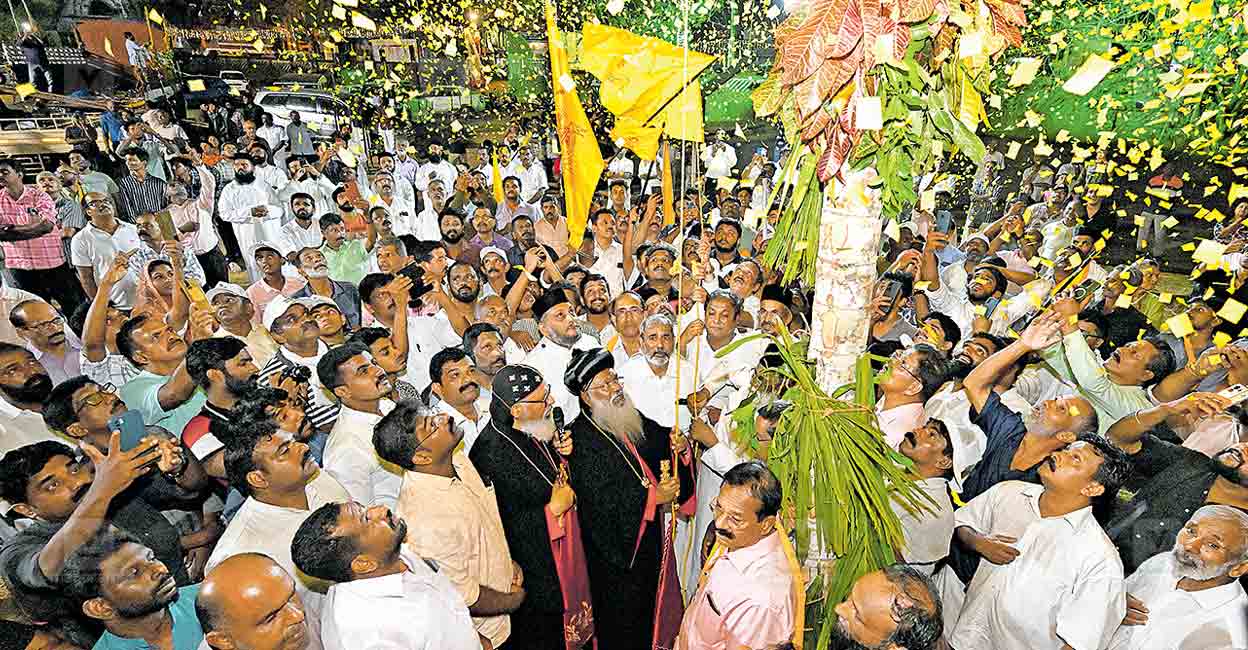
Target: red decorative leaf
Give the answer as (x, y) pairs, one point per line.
(826, 82)
(901, 40)
(871, 29)
(818, 123)
(1006, 20)
(806, 48)
(850, 32)
(915, 11)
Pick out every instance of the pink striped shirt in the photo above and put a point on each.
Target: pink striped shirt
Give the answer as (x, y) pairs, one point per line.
(41, 252)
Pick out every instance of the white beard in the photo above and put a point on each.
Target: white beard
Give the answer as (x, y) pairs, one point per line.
(621, 420)
(1200, 572)
(542, 429)
(1034, 423)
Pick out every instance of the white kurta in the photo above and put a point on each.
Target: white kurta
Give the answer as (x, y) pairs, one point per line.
(1183, 620)
(1065, 586)
(235, 206)
(929, 530)
(655, 395)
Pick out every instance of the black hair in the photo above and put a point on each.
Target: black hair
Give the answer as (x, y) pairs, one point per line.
(329, 219)
(318, 552)
(1162, 363)
(125, 340)
(370, 283)
(17, 313)
(21, 464)
(302, 195)
(58, 409)
(137, 152)
(327, 367)
(998, 343)
(250, 417)
(440, 359)
(394, 437)
(917, 627)
(591, 277)
(944, 435)
(597, 214)
(519, 183)
(211, 354)
(933, 370)
(1115, 464)
(953, 333)
(81, 575)
(1098, 319)
(473, 334)
(240, 460)
(367, 336)
(423, 250)
(724, 294)
(763, 485)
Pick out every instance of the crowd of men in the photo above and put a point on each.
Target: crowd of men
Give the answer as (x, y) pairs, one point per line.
(263, 392)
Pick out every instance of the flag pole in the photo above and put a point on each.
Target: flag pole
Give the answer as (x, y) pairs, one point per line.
(678, 93)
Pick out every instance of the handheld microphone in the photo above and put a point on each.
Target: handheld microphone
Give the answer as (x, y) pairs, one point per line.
(558, 416)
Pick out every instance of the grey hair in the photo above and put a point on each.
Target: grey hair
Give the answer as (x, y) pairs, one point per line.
(660, 318)
(1229, 513)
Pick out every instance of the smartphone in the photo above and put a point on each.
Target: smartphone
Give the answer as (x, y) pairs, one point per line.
(167, 230)
(1236, 393)
(196, 294)
(1085, 290)
(944, 221)
(990, 306)
(893, 291)
(416, 274)
(130, 424)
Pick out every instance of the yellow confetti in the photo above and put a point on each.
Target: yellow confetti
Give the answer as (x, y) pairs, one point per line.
(195, 85)
(1209, 252)
(361, 21)
(1180, 325)
(1088, 75)
(1025, 71)
(25, 90)
(1232, 310)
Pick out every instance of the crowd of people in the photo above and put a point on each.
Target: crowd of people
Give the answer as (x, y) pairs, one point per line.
(265, 391)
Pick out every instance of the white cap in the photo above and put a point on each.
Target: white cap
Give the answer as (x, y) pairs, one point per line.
(495, 250)
(225, 288)
(312, 302)
(274, 311)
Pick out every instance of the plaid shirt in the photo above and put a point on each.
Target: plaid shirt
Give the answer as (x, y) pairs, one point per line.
(112, 369)
(41, 252)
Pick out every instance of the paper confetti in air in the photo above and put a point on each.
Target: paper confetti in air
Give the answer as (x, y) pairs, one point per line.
(1025, 72)
(1209, 252)
(25, 90)
(1180, 325)
(361, 21)
(195, 85)
(1090, 74)
(1232, 310)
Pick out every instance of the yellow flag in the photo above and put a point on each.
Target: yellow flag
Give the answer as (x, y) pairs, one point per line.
(641, 140)
(155, 17)
(497, 179)
(580, 159)
(641, 76)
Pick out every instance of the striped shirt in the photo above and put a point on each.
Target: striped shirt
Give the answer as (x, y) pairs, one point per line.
(321, 411)
(32, 254)
(139, 198)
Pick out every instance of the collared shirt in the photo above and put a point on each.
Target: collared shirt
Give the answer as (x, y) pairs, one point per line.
(261, 294)
(610, 264)
(350, 457)
(321, 411)
(19, 427)
(347, 263)
(43, 252)
(612, 342)
(259, 527)
(345, 295)
(93, 181)
(653, 395)
(471, 429)
(295, 237)
(155, 154)
(719, 158)
(260, 345)
(554, 236)
(272, 134)
(533, 181)
(187, 632)
(1074, 361)
(442, 170)
(1004, 431)
(896, 422)
(1179, 619)
(112, 369)
(407, 167)
(952, 301)
(1065, 586)
(144, 255)
(142, 393)
(11, 297)
(747, 601)
(714, 371)
(455, 522)
(954, 409)
(505, 213)
(198, 211)
(138, 198)
(64, 366)
(552, 359)
(319, 188)
(417, 609)
(928, 530)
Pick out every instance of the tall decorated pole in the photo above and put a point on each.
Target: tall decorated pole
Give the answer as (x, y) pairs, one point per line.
(872, 94)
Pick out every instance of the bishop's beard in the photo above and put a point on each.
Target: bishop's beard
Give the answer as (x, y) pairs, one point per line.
(618, 417)
(541, 429)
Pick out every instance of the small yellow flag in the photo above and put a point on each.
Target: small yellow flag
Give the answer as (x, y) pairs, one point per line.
(155, 17)
(25, 90)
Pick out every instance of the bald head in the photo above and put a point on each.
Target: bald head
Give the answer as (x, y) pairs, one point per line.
(249, 602)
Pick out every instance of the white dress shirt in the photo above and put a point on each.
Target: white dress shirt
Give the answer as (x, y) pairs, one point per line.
(928, 530)
(295, 237)
(533, 181)
(471, 429)
(610, 264)
(714, 372)
(1065, 586)
(443, 171)
(417, 609)
(1183, 620)
(655, 395)
(19, 427)
(275, 178)
(350, 458)
(321, 190)
(455, 522)
(95, 248)
(552, 359)
(719, 158)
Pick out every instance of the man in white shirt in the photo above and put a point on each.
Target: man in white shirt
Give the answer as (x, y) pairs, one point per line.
(896, 607)
(722, 308)
(251, 205)
(453, 518)
(291, 325)
(927, 527)
(913, 375)
(304, 231)
(1190, 598)
(651, 380)
(532, 176)
(401, 209)
(985, 290)
(512, 204)
(609, 257)
(362, 387)
(46, 335)
(719, 158)
(93, 248)
(384, 596)
(23, 389)
(1052, 576)
(454, 384)
(307, 179)
(560, 336)
(620, 167)
(438, 168)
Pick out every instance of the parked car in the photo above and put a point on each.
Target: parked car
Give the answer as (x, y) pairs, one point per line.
(237, 80)
(448, 98)
(322, 112)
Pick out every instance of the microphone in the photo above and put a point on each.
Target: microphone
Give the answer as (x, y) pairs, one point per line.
(558, 416)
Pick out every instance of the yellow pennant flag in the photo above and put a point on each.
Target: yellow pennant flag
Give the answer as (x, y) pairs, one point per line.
(682, 119)
(155, 17)
(496, 179)
(580, 159)
(669, 198)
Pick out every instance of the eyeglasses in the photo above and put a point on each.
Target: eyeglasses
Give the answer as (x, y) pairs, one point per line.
(56, 323)
(544, 399)
(96, 398)
(430, 423)
(897, 360)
